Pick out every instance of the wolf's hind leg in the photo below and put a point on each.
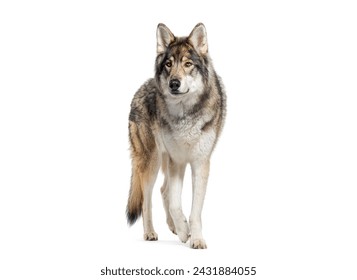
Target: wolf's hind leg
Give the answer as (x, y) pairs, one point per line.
(148, 181)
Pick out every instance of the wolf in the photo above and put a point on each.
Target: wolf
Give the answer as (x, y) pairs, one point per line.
(175, 119)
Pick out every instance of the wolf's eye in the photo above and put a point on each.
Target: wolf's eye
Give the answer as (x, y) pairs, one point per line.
(168, 64)
(188, 64)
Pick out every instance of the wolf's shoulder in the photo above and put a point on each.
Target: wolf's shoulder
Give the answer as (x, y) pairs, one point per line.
(143, 105)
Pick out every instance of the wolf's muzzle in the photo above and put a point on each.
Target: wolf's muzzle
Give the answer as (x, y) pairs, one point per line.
(174, 85)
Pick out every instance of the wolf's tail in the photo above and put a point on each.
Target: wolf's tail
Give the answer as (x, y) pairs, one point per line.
(135, 200)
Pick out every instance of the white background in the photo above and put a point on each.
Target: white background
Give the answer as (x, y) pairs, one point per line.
(281, 193)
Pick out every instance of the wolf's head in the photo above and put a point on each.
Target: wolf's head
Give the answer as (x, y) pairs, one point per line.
(182, 63)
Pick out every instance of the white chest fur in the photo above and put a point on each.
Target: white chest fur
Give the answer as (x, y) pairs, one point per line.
(186, 142)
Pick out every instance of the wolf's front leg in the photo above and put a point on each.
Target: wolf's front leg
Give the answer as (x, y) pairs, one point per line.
(200, 171)
(177, 172)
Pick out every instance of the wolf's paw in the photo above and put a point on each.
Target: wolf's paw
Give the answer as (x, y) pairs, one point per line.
(184, 232)
(150, 236)
(184, 236)
(198, 244)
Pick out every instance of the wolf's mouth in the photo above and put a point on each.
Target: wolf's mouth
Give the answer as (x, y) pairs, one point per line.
(177, 92)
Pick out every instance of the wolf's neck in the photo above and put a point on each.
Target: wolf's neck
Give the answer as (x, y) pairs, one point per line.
(182, 107)
(176, 109)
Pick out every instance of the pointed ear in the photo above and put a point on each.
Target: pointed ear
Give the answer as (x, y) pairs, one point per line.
(164, 38)
(198, 38)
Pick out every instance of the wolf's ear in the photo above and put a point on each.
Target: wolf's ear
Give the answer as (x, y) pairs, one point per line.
(198, 38)
(164, 38)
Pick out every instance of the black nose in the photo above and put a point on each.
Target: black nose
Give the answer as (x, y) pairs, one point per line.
(174, 84)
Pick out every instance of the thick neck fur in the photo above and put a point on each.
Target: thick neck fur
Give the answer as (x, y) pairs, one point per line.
(180, 107)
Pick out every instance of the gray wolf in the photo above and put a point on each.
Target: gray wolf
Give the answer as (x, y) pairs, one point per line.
(175, 119)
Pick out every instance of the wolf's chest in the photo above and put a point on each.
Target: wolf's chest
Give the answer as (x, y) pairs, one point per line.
(185, 141)
(185, 132)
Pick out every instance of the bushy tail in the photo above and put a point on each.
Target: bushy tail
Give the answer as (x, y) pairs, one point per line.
(135, 200)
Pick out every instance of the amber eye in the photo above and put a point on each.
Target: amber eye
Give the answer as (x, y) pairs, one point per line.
(188, 64)
(168, 64)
